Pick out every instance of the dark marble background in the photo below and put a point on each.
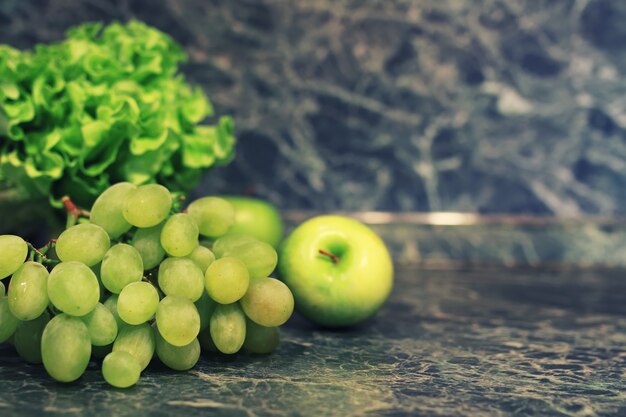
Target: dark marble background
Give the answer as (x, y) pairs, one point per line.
(491, 106)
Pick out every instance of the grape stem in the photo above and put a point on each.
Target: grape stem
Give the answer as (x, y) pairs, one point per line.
(149, 277)
(34, 251)
(39, 255)
(177, 203)
(44, 249)
(334, 258)
(73, 211)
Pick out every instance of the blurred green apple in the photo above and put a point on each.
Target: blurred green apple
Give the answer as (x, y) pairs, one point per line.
(339, 270)
(256, 218)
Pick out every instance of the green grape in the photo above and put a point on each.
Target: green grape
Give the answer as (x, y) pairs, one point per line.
(260, 257)
(206, 342)
(121, 369)
(147, 205)
(226, 280)
(111, 304)
(179, 235)
(101, 325)
(202, 257)
(178, 358)
(99, 352)
(137, 302)
(213, 215)
(181, 276)
(86, 243)
(73, 288)
(268, 302)
(103, 291)
(261, 339)
(138, 341)
(121, 265)
(2, 290)
(106, 211)
(178, 320)
(8, 322)
(205, 306)
(65, 348)
(148, 244)
(230, 243)
(13, 251)
(27, 338)
(228, 328)
(28, 291)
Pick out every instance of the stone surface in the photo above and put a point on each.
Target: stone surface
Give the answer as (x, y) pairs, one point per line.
(558, 244)
(502, 106)
(469, 240)
(449, 343)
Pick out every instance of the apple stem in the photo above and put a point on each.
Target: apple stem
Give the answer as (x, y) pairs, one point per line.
(334, 258)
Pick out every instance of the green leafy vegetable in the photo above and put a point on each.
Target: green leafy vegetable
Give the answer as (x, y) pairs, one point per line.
(105, 105)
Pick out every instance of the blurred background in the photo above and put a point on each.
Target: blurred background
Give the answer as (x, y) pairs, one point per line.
(497, 106)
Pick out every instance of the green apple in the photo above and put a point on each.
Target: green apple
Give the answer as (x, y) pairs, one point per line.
(339, 270)
(256, 218)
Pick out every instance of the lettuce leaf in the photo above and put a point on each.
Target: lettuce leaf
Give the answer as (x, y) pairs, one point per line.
(107, 104)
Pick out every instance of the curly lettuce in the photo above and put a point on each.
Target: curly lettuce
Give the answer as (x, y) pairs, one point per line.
(107, 104)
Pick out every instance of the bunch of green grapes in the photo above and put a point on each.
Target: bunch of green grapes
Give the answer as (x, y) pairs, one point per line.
(140, 279)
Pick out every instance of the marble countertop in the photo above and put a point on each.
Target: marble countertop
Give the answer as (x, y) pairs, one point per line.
(449, 343)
